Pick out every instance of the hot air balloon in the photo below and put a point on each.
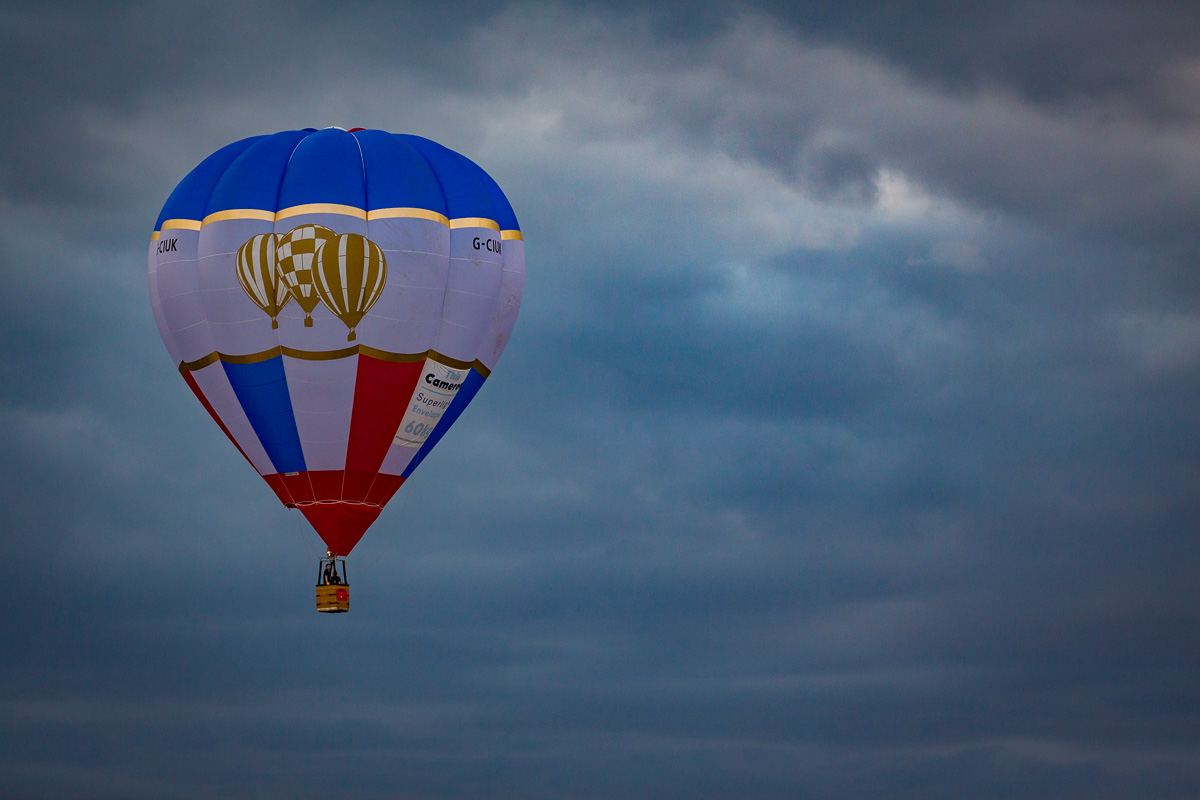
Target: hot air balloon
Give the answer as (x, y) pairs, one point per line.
(407, 265)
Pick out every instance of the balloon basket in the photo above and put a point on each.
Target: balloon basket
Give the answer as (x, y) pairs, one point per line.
(333, 587)
(333, 599)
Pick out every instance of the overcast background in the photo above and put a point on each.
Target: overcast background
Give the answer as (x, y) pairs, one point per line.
(848, 444)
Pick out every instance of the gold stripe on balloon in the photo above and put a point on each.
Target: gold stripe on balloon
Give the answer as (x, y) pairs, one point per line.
(474, 222)
(507, 235)
(395, 358)
(334, 208)
(252, 358)
(180, 224)
(320, 208)
(407, 213)
(318, 355)
(199, 363)
(238, 213)
(333, 355)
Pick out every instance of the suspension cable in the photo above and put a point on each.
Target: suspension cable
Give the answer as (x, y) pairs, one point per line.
(387, 542)
(301, 530)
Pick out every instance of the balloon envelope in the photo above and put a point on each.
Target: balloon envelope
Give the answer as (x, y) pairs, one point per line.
(407, 266)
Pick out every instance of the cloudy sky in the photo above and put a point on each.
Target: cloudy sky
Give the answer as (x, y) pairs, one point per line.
(848, 444)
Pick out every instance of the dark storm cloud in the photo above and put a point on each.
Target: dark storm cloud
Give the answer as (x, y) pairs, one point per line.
(831, 118)
(846, 445)
(1050, 53)
(155, 54)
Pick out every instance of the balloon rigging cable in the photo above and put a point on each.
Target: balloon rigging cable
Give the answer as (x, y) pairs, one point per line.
(303, 537)
(302, 530)
(387, 543)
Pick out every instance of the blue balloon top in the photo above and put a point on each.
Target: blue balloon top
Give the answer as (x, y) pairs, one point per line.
(367, 170)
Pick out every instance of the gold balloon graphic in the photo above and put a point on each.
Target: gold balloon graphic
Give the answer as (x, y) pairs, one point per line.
(297, 250)
(258, 274)
(349, 274)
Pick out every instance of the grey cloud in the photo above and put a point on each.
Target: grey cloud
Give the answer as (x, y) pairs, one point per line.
(1049, 53)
